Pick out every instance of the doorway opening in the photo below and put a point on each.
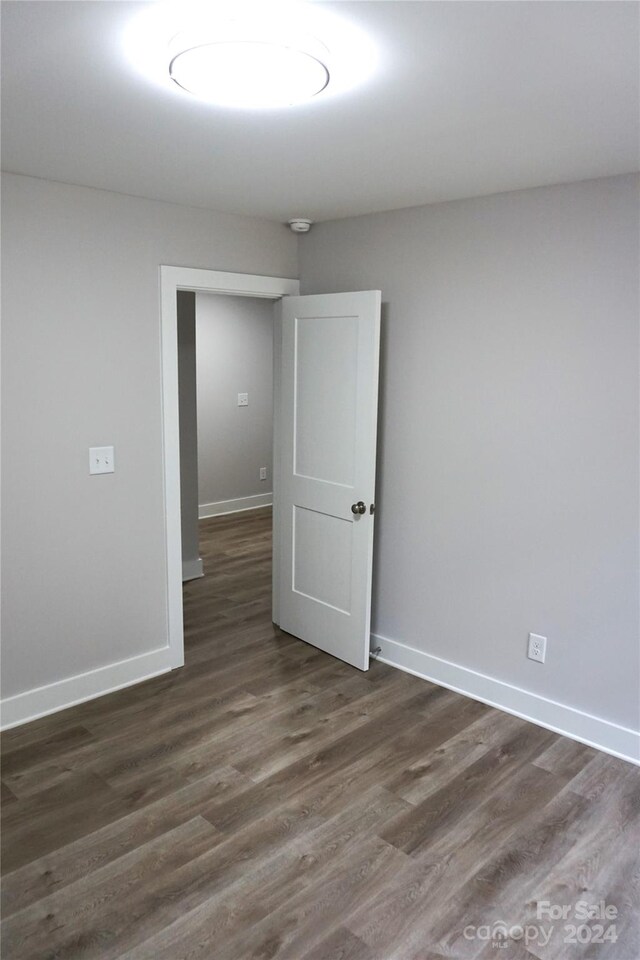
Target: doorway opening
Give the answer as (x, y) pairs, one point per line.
(225, 373)
(173, 280)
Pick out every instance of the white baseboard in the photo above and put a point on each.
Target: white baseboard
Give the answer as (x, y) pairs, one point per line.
(86, 686)
(234, 506)
(601, 734)
(192, 569)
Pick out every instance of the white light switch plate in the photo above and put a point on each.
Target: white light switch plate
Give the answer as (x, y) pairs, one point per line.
(101, 460)
(243, 399)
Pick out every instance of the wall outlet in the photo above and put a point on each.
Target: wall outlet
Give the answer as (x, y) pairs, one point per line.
(243, 399)
(537, 649)
(263, 473)
(101, 460)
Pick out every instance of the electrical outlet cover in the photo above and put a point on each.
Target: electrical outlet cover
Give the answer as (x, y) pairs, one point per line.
(537, 647)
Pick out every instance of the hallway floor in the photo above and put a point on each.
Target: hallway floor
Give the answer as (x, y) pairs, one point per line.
(269, 801)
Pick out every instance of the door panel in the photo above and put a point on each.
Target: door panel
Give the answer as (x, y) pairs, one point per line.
(325, 419)
(322, 558)
(329, 396)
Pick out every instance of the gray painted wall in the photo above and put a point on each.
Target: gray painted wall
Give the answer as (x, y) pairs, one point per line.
(186, 303)
(234, 355)
(508, 468)
(84, 577)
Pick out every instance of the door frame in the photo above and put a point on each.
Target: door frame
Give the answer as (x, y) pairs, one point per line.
(196, 280)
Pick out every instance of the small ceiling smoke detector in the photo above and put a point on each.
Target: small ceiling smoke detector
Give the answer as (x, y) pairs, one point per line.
(300, 224)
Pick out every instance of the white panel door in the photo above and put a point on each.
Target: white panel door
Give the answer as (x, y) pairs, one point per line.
(327, 459)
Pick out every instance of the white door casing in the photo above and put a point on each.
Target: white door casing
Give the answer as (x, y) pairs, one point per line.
(326, 464)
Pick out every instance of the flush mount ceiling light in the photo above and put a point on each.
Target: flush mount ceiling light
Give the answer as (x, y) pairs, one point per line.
(249, 55)
(247, 66)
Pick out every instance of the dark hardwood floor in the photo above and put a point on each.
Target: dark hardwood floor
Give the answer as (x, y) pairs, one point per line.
(269, 801)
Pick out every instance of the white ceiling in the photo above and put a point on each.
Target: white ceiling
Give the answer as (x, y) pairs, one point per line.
(469, 99)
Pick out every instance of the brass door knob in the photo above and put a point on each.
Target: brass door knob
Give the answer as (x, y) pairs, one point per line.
(358, 507)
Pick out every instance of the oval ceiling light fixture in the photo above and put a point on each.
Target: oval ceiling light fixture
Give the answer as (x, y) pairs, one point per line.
(244, 65)
(250, 55)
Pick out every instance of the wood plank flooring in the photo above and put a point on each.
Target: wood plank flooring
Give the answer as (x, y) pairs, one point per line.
(268, 801)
